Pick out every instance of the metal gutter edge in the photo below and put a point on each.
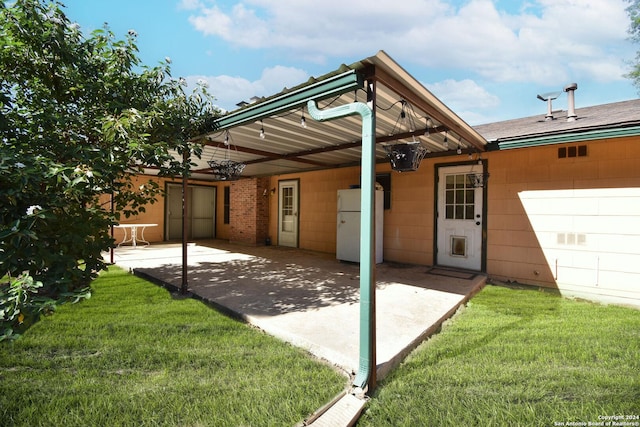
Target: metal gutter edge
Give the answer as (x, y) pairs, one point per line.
(565, 138)
(367, 224)
(335, 85)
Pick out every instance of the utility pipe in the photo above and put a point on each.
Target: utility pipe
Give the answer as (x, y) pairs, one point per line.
(367, 244)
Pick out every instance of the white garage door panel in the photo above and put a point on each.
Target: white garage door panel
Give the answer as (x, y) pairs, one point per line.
(590, 238)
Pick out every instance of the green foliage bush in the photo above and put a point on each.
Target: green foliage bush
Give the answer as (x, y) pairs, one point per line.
(80, 116)
(19, 309)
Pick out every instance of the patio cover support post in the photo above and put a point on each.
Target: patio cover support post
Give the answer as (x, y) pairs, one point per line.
(112, 250)
(367, 365)
(185, 173)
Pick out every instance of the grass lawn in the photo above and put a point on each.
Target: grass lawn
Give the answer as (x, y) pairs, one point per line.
(518, 358)
(133, 356)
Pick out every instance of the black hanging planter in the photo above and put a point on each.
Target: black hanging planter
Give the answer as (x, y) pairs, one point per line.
(226, 170)
(405, 157)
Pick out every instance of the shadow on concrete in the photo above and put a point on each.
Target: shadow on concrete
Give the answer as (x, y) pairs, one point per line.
(310, 299)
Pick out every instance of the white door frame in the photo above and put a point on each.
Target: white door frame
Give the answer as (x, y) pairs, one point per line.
(288, 212)
(460, 228)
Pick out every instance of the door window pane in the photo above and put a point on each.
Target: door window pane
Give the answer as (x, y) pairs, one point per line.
(287, 209)
(450, 180)
(459, 197)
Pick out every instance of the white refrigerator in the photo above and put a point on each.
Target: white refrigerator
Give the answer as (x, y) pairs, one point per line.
(348, 234)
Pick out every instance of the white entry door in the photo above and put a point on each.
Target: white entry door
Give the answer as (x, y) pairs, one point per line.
(460, 218)
(288, 213)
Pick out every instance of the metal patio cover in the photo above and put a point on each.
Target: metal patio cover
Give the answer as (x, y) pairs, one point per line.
(288, 147)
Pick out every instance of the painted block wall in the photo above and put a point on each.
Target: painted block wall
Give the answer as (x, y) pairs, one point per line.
(155, 212)
(408, 231)
(568, 223)
(318, 206)
(408, 225)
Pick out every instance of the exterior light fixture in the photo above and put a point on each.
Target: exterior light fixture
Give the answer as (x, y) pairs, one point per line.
(428, 125)
(478, 180)
(303, 121)
(262, 134)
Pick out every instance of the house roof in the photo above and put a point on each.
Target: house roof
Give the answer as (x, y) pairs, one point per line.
(288, 147)
(600, 121)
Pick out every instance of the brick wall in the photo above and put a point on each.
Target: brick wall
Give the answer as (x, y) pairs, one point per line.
(249, 211)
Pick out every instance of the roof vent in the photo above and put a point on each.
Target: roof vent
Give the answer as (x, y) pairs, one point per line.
(548, 97)
(571, 113)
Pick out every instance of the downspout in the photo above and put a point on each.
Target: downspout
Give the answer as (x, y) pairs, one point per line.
(367, 366)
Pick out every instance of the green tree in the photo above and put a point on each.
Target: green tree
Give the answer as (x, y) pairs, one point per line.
(80, 116)
(634, 31)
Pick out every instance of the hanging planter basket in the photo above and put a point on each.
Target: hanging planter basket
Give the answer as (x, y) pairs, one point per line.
(405, 157)
(226, 170)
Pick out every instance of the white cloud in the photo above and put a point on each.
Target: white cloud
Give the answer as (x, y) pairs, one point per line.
(241, 25)
(466, 98)
(229, 90)
(189, 5)
(463, 94)
(546, 41)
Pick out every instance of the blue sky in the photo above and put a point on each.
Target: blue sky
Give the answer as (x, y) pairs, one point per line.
(487, 60)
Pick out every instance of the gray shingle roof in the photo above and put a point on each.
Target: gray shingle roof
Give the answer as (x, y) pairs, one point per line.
(605, 116)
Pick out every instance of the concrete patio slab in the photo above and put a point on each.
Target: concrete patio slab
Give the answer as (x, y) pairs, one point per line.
(311, 299)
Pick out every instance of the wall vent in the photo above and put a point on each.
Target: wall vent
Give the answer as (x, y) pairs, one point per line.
(572, 151)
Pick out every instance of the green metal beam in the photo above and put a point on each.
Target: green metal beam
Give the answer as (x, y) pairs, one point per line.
(567, 138)
(367, 226)
(331, 86)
